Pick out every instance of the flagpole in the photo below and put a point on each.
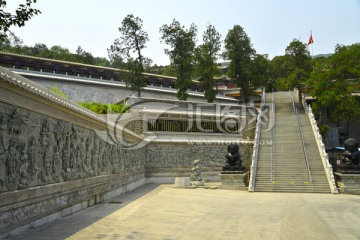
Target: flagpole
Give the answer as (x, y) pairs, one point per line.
(311, 41)
(312, 50)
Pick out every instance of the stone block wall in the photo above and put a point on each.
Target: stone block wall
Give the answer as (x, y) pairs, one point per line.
(167, 161)
(348, 183)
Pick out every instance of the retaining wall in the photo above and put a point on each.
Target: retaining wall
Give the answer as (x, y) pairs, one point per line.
(53, 162)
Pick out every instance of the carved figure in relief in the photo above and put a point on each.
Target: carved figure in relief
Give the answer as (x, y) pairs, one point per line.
(72, 162)
(15, 123)
(65, 157)
(44, 134)
(94, 158)
(57, 165)
(59, 134)
(87, 156)
(24, 166)
(88, 152)
(3, 148)
(47, 165)
(80, 152)
(12, 158)
(3, 130)
(31, 155)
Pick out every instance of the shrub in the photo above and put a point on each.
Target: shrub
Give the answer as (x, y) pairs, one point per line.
(57, 90)
(100, 108)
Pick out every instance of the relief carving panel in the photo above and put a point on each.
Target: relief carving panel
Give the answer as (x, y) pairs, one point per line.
(38, 150)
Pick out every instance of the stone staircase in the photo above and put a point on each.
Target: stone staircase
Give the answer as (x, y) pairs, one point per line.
(282, 165)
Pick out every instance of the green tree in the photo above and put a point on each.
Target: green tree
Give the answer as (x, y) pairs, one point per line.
(238, 49)
(22, 14)
(84, 57)
(206, 55)
(279, 72)
(182, 43)
(260, 72)
(169, 71)
(40, 50)
(101, 61)
(333, 82)
(156, 69)
(12, 43)
(132, 40)
(298, 66)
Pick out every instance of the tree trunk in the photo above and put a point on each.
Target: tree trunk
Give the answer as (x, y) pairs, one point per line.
(300, 97)
(348, 126)
(242, 95)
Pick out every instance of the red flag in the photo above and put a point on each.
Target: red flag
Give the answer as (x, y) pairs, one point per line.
(311, 40)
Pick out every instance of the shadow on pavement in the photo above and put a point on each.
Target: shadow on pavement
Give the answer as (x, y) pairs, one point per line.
(67, 226)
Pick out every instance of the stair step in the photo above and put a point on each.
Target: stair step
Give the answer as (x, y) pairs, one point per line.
(289, 166)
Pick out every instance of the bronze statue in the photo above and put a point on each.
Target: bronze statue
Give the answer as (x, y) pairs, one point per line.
(351, 154)
(350, 161)
(233, 158)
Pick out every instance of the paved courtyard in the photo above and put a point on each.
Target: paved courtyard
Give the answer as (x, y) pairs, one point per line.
(165, 212)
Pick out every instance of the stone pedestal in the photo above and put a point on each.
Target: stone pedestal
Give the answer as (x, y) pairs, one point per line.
(348, 183)
(197, 183)
(232, 181)
(349, 169)
(233, 170)
(182, 182)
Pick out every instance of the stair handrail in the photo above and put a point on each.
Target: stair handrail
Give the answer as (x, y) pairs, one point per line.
(303, 145)
(272, 138)
(255, 154)
(292, 100)
(302, 138)
(324, 156)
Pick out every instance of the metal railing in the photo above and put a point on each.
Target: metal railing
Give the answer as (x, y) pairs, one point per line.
(302, 137)
(255, 154)
(303, 145)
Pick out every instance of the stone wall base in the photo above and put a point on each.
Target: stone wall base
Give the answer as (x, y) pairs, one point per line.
(33, 207)
(348, 183)
(168, 175)
(232, 181)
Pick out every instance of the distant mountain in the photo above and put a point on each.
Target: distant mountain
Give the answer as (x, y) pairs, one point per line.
(323, 55)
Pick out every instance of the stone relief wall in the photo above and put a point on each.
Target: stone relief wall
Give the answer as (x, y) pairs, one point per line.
(175, 156)
(37, 150)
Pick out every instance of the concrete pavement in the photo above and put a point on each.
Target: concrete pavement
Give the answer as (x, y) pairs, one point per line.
(165, 212)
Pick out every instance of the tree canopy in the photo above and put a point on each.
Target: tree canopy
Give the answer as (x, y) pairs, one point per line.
(22, 14)
(206, 55)
(239, 50)
(13, 44)
(129, 45)
(333, 82)
(182, 46)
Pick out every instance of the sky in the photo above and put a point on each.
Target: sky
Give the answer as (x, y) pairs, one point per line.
(270, 24)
